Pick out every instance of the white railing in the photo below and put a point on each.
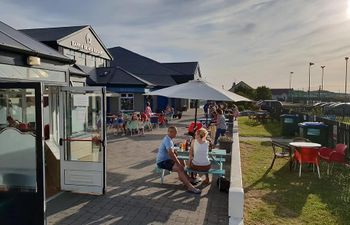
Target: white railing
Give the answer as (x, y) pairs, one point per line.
(236, 192)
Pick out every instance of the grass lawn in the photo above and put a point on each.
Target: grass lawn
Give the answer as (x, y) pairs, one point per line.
(248, 127)
(281, 197)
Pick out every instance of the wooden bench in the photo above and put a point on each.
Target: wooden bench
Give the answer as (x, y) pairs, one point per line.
(212, 171)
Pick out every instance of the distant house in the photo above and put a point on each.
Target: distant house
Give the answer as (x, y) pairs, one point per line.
(239, 84)
(280, 94)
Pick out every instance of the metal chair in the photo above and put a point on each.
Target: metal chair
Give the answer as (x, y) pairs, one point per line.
(284, 153)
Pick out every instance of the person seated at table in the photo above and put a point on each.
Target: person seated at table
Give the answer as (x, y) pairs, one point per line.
(220, 125)
(169, 113)
(141, 125)
(198, 157)
(119, 124)
(133, 124)
(167, 159)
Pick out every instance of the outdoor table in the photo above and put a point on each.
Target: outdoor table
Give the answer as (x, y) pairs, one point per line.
(298, 145)
(212, 154)
(305, 145)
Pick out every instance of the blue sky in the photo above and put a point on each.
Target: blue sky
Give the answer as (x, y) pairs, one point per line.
(258, 41)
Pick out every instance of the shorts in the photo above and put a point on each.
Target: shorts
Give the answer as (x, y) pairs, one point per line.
(167, 164)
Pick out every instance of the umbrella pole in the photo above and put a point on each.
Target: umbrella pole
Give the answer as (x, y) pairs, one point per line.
(195, 115)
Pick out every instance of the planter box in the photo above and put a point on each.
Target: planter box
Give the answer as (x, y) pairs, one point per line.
(227, 145)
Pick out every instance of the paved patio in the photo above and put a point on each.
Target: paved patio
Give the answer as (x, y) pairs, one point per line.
(135, 195)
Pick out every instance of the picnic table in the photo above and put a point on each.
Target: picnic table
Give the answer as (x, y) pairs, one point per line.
(216, 155)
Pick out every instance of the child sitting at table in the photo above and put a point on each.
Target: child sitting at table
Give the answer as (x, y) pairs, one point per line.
(199, 158)
(133, 124)
(119, 124)
(141, 125)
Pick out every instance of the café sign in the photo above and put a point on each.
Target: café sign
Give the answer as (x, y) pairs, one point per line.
(87, 45)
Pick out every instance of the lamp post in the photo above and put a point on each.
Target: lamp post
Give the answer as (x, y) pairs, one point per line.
(290, 84)
(346, 84)
(322, 67)
(308, 92)
(346, 76)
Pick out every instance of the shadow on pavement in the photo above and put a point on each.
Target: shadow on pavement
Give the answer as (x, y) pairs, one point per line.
(123, 203)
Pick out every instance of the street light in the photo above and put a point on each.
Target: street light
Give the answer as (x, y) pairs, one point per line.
(290, 80)
(308, 92)
(322, 67)
(346, 75)
(346, 84)
(290, 84)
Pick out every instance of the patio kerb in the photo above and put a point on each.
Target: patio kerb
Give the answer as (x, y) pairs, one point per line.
(236, 192)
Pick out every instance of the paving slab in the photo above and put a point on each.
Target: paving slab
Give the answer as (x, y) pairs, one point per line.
(135, 195)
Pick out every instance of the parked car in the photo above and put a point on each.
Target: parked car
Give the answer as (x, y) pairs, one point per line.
(246, 113)
(271, 105)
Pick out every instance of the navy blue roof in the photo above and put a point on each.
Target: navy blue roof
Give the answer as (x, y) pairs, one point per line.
(185, 68)
(16, 41)
(52, 33)
(115, 76)
(143, 67)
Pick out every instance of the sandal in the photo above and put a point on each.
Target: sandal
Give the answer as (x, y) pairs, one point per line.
(194, 191)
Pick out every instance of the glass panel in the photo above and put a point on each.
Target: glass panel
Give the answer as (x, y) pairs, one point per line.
(83, 127)
(288, 120)
(34, 74)
(127, 102)
(17, 138)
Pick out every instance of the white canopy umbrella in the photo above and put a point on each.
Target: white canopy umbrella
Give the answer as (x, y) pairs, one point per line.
(198, 90)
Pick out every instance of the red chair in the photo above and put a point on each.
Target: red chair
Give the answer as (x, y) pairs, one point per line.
(192, 126)
(161, 120)
(336, 155)
(309, 156)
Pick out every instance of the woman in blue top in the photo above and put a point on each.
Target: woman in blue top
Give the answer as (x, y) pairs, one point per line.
(220, 125)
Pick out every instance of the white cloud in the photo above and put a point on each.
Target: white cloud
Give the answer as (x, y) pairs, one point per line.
(259, 41)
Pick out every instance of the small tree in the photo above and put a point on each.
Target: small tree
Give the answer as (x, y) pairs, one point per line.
(263, 93)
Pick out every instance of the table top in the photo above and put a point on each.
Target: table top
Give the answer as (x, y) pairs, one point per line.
(214, 152)
(305, 144)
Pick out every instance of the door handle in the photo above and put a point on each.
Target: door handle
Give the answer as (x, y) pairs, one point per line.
(89, 140)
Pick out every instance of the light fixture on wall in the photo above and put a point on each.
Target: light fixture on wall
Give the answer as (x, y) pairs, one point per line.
(33, 61)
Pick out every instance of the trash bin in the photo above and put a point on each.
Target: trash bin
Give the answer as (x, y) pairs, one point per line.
(315, 131)
(289, 124)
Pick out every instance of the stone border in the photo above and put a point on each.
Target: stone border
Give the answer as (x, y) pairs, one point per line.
(236, 192)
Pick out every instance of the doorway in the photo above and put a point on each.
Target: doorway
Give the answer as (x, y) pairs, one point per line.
(21, 154)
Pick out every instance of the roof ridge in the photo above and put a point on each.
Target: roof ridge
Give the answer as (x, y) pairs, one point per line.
(179, 62)
(135, 76)
(41, 28)
(155, 61)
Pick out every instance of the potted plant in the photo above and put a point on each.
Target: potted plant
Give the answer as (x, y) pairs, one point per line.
(225, 142)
